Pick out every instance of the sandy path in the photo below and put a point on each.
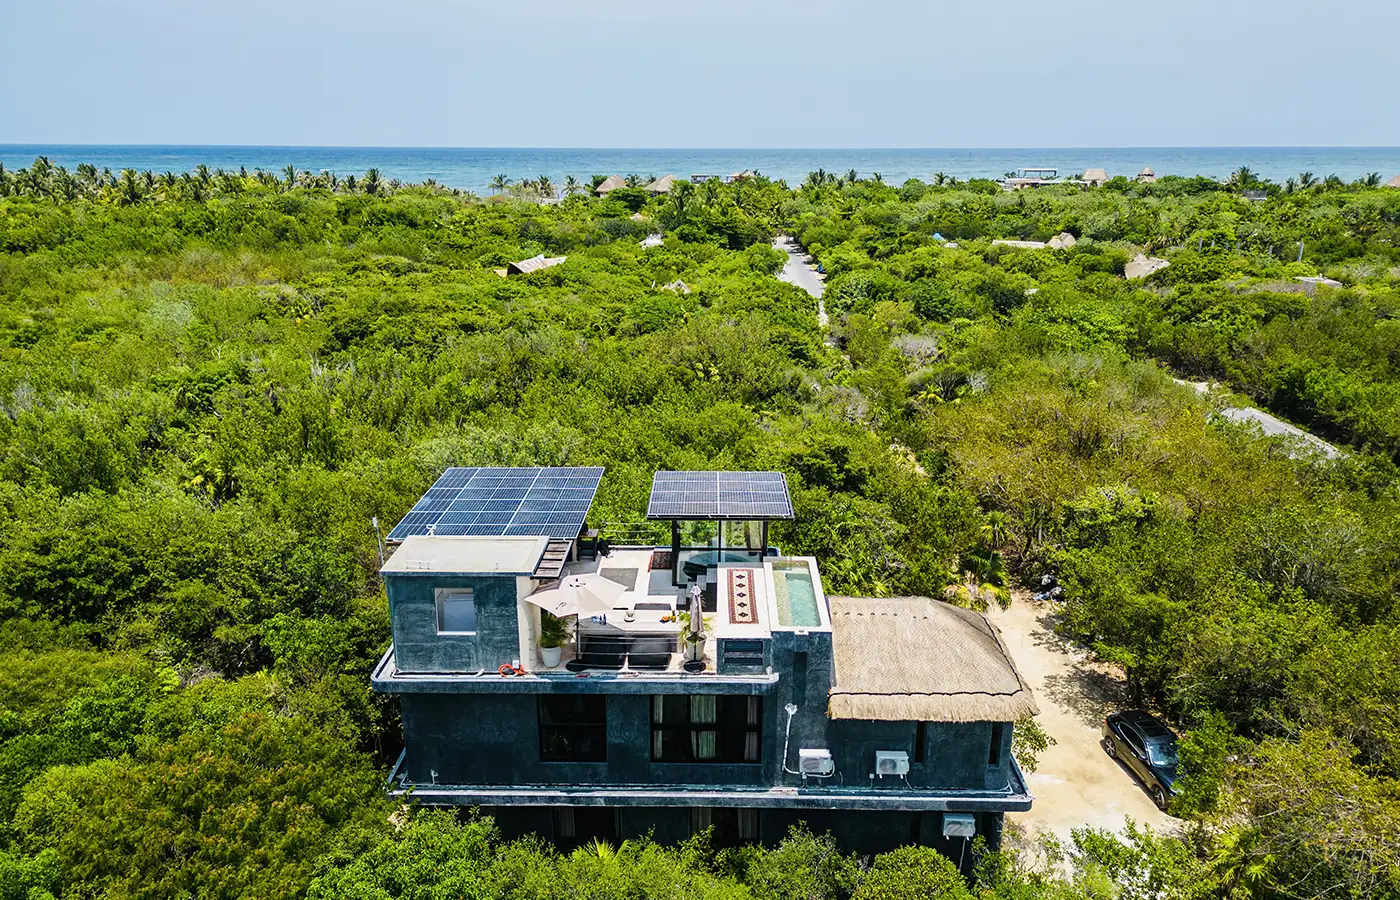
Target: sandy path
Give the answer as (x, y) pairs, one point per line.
(799, 271)
(1076, 783)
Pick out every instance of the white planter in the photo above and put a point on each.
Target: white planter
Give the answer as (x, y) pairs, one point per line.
(550, 656)
(694, 651)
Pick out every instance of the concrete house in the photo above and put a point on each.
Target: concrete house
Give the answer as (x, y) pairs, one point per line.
(710, 681)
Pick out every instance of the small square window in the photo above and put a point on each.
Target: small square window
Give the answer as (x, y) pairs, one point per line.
(456, 612)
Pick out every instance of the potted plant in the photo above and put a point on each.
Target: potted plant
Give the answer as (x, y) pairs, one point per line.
(554, 634)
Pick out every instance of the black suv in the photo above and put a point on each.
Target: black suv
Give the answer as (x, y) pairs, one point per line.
(1141, 742)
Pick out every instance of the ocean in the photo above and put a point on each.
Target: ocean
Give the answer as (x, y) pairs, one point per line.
(473, 168)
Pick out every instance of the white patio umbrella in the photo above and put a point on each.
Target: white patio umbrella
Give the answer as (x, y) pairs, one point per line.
(589, 594)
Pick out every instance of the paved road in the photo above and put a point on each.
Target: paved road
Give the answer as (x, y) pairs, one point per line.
(799, 271)
(1076, 783)
(1270, 425)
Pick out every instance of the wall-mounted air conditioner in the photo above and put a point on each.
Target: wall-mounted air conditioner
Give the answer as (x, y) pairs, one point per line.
(815, 761)
(891, 762)
(963, 825)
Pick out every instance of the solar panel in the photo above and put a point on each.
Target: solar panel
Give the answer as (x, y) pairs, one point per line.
(549, 502)
(719, 495)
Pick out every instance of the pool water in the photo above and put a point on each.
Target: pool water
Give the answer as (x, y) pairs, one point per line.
(797, 598)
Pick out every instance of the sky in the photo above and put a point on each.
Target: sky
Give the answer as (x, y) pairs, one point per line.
(712, 73)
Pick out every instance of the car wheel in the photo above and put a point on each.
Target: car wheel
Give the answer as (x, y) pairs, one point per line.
(1159, 797)
(1110, 748)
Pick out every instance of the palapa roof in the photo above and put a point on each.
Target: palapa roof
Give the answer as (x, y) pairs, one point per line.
(1097, 176)
(611, 183)
(1394, 182)
(662, 185)
(534, 264)
(912, 659)
(1062, 241)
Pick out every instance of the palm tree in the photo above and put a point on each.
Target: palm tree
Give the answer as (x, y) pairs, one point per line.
(500, 183)
(201, 172)
(351, 186)
(129, 189)
(372, 183)
(852, 176)
(633, 180)
(941, 178)
(877, 178)
(1372, 180)
(1332, 181)
(289, 172)
(681, 193)
(1306, 180)
(995, 530)
(546, 187)
(1290, 185)
(1243, 177)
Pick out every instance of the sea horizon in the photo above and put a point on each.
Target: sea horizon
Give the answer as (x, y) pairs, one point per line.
(473, 168)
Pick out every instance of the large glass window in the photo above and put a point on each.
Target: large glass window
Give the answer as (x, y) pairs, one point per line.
(456, 611)
(744, 535)
(573, 728)
(731, 826)
(706, 728)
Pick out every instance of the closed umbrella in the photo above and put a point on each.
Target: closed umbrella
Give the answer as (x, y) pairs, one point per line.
(578, 595)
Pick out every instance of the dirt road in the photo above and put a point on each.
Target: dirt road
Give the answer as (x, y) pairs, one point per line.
(1076, 783)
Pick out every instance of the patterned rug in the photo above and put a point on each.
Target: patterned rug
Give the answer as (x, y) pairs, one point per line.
(743, 608)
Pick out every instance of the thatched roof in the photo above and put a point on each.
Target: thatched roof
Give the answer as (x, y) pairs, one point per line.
(1394, 182)
(1095, 176)
(1062, 241)
(611, 183)
(912, 659)
(662, 185)
(533, 264)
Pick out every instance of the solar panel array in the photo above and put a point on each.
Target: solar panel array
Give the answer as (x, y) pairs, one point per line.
(719, 495)
(552, 502)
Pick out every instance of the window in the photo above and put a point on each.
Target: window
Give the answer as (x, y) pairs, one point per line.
(994, 752)
(731, 826)
(456, 611)
(920, 739)
(573, 728)
(706, 728)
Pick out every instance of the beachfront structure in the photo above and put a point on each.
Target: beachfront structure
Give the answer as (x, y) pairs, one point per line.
(1146, 176)
(661, 185)
(610, 184)
(1029, 178)
(1394, 182)
(885, 721)
(1095, 177)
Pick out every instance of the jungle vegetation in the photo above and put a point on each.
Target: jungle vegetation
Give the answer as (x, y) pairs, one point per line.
(212, 383)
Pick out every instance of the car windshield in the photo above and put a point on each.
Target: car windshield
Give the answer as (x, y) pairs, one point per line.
(1162, 754)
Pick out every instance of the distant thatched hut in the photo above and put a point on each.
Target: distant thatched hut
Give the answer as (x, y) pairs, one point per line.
(1062, 241)
(1394, 182)
(1146, 176)
(610, 184)
(533, 264)
(1095, 177)
(661, 185)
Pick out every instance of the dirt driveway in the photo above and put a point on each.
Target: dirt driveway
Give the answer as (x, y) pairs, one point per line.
(1076, 783)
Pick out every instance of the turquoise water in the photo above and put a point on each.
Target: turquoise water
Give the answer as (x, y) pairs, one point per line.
(473, 169)
(801, 598)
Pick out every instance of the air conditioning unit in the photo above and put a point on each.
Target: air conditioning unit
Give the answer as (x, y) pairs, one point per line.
(963, 825)
(891, 762)
(815, 761)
